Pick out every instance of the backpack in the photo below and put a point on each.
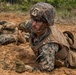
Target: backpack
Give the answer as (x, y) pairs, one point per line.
(71, 58)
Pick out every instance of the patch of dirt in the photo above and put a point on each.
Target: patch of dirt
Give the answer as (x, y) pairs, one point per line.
(24, 51)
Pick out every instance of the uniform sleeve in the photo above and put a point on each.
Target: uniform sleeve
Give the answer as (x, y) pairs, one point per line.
(47, 59)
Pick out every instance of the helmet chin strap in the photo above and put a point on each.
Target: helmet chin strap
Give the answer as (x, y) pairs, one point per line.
(42, 29)
(39, 30)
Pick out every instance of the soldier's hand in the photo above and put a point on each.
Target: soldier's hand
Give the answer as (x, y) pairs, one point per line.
(25, 26)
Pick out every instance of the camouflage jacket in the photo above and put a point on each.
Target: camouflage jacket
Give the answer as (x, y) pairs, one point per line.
(54, 36)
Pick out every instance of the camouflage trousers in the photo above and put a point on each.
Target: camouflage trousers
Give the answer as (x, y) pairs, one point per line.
(10, 38)
(7, 38)
(47, 56)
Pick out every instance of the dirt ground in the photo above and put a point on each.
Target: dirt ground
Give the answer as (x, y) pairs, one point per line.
(26, 54)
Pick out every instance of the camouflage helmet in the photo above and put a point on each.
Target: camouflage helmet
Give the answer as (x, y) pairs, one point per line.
(43, 12)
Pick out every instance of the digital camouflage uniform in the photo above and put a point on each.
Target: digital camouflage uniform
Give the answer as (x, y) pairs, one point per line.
(46, 55)
(7, 38)
(9, 33)
(47, 60)
(45, 50)
(7, 29)
(50, 45)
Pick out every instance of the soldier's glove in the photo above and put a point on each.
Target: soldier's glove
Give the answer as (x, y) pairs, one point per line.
(21, 67)
(31, 69)
(25, 26)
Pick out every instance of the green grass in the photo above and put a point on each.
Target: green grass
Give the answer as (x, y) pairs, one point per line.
(63, 11)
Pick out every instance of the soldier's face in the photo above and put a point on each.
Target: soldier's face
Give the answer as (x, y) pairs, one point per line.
(37, 25)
